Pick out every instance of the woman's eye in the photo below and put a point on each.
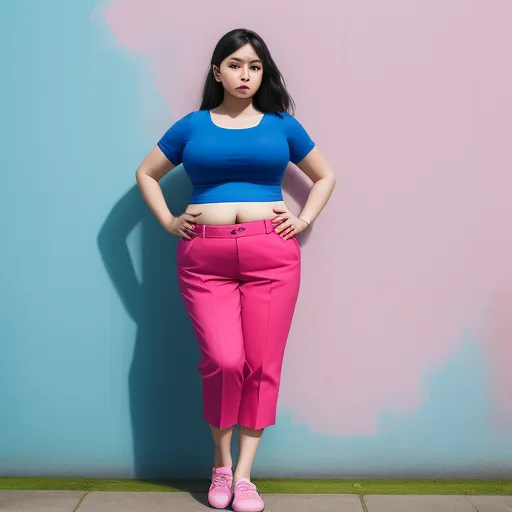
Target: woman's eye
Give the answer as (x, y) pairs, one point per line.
(236, 65)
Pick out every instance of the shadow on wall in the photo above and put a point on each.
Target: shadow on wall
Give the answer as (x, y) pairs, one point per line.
(170, 437)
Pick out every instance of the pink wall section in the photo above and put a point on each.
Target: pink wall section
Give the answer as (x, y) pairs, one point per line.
(409, 102)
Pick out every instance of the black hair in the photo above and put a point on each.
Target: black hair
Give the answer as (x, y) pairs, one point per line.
(271, 96)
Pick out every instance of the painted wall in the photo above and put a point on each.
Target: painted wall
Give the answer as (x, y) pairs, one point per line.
(400, 356)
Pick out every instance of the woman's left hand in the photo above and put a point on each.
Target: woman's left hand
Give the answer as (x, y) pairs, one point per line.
(287, 224)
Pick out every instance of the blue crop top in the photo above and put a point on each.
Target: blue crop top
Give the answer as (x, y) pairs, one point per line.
(235, 164)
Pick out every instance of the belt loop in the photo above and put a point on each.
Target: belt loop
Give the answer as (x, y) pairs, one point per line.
(268, 226)
(202, 230)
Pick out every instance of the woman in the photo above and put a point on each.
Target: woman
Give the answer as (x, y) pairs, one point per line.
(237, 259)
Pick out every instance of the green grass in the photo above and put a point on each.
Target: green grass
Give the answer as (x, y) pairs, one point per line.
(266, 485)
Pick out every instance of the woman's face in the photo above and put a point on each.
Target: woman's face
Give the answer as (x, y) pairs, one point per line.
(241, 68)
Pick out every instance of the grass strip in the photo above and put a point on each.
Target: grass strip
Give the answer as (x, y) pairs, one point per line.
(271, 485)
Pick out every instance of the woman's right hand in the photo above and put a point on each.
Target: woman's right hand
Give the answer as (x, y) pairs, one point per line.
(182, 225)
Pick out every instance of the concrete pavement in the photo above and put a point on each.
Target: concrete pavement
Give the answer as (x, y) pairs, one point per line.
(96, 501)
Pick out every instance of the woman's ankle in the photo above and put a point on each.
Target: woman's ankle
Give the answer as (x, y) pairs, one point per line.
(220, 462)
(238, 476)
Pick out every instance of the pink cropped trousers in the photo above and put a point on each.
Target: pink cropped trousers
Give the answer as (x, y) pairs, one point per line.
(239, 284)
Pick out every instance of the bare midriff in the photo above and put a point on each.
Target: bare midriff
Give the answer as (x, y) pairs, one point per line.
(234, 213)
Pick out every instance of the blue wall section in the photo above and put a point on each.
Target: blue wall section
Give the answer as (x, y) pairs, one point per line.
(73, 394)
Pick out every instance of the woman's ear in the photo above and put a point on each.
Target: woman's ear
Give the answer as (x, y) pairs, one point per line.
(215, 71)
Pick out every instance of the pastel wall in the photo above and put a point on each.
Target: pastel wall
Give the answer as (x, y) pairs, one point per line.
(399, 360)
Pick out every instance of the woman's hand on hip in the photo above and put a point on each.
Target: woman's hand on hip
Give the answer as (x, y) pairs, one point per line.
(287, 224)
(182, 225)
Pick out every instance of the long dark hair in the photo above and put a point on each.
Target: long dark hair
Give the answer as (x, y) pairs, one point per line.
(272, 95)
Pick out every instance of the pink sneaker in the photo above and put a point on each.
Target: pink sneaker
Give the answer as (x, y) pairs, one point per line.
(220, 493)
(247, 497)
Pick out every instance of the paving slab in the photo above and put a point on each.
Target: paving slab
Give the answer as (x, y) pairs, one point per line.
(198, 502)
(39, 501)
(418, 503)
(121, 501)
(312, 503)
(491, 503)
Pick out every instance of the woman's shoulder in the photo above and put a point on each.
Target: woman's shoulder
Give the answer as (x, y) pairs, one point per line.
(190, 115)
(195, 117)
(280, 114)
(185, 121)
(288, 121)
(284, 117)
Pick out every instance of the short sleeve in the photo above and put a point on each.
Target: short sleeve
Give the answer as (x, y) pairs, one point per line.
(299, 141)
(174, 140)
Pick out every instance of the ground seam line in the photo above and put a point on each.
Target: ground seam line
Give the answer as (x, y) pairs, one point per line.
(472, 504)
(80, 501)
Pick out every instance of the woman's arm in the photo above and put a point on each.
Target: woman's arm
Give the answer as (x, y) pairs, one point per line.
(151, 170)
(315, 166)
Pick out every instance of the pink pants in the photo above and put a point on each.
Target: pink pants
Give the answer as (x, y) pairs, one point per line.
(239, 284)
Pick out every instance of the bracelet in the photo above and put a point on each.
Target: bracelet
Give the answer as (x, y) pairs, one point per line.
(304, 220)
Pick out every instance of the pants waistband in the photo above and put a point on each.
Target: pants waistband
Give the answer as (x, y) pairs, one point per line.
(257, 227)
